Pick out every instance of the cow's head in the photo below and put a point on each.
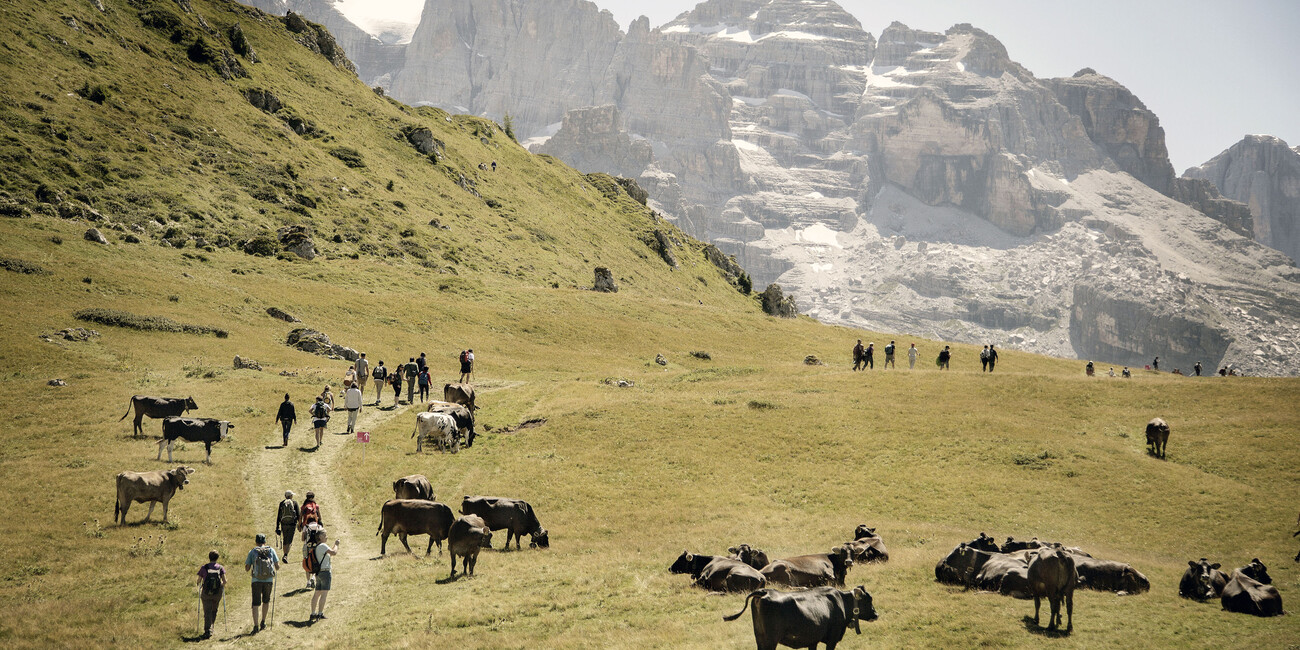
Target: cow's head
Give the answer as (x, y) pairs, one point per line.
(190, 405)
(863, 607)
(180, 476)
(747, 554)
(540, 539)
(1133, 581)
(1203, 574)
(984, 543)
(487, 539)
(863, 531)
(1258, 571)
(684, 564)
(225, 428)
(845, 555)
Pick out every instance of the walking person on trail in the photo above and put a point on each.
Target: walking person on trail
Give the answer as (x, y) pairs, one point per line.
(321, 555)
(395, 380)
(352, 404)
(212, 587)
(349, 376)
(984, 359)
(380, 375)
(262, 563)
(1089, 369)
(421, 363)
(286, 522)
(466, 365)
(868, 357)
(911, 357)
(889, 355)
(858, 351)
(310, 523)
(287, 416)
(1197, 368)
(328, 396)
(424, 380)
(363, 372)
(993, 357)
(320, 416)
(1155, 365)
(945, 356)
(410, 371)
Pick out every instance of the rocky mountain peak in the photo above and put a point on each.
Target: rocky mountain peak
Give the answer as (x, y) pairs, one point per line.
(1263, 172)
(899, 41)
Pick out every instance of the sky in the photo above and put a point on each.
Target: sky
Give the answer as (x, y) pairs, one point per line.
(1212, 70)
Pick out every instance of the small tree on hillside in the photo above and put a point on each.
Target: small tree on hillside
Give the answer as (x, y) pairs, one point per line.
(510, 127)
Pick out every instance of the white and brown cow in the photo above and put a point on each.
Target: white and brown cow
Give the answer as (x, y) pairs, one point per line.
(153, 487)
(440, 429)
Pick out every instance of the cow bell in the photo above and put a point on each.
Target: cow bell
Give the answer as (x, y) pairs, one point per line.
(856, 627)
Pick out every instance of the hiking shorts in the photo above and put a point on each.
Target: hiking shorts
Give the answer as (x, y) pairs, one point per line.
(287, 535)
(320, 423)
(466, 367)
(323, 581)
(261, 593)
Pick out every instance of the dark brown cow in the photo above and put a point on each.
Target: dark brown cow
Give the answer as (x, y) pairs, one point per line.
(726, 574)
(514, 515)
(984, 543)
(156, 407)
(405, 517)
(1246, 595)
(153, 487)
(810, 570)
(459, 394)
(415, 486)
(1012, 545)
(804, 619)
(1202, 580)
(1157, 437)
(1105, 575)
(867, 546)
(1052, 576)
(749, 555)
(961, 565)
(467, 535)
(1006, 574)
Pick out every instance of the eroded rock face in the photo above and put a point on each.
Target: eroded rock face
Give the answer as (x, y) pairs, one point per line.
(1105, 323)
(297, 240)
(1264, 173)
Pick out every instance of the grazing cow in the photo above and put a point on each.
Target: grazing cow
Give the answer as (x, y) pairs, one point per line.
(1202, 580)
(514, 515)
(810, 570)
(439, 428)
(867, 546)
(1006, 574)
(464, 418)
(204, 430)
(405, 517)
(804, 619)
(1104, 575)
(459, 394)
(153, 487)
(1157, 437)
(961, 565)
(1246, 595)
(467, 535)
(415, 486)
(749, 555)
(156, 407)
(1052, 576)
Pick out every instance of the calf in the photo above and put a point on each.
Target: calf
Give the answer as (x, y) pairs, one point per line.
(466, 536)
(1246, 595)
(810, 570)
(156, 407)
(415, 486)
(440, 428)
(1052, 576)
(153, 487)
(1157, 437)
(804, 619)
(514, 515)
(204, 430)
(405, 517)
(1202, 580)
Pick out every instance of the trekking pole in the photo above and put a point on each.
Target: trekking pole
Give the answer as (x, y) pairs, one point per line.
(199, 630)
(273, 580)
(225, 613)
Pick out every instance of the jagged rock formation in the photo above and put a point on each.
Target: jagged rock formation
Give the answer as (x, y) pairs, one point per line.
(1262, 172)
(309, 340)
(373, 59)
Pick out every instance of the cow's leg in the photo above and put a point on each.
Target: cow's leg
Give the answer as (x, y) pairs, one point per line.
(161, 442)
(207, 448)
(402, 536)
(429, 550)
(383, 543)
(138, 428)
(149, 514)
(126, 505)
(170, 443)
(419, 443)
(518, 537)
(1055, 603)
(1069, 610)
(453, 564)
(1037, 603)
(165, 502)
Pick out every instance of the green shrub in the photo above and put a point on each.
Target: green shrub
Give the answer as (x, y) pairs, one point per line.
(94, 93)
(117, 318)
(350, 157)
(262, 246)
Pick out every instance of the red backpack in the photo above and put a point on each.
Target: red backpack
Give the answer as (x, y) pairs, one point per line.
(464, 356)
(310, 513)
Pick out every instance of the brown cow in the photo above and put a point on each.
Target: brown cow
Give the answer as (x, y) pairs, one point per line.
(1052, 575)
(1006, 574)
(1157, 437)
(459, 394)
(1246, 595)
(810, 570)
(749, 555)
(468, 534)
(153, 487)
(961, 565)
(1105, 575)
(726, 574)
(156, 407)
(514, 515)
(867, 546)
(405, 517)
(415, 486)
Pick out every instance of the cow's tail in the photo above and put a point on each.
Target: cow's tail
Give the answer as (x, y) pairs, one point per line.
(129, 404)
(117, 498)
(742, 609)
(381, 523)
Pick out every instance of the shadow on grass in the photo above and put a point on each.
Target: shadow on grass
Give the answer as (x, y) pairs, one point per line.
(275, 446)
(1154, 455)
(310, 450)
(301, 624)
(1034, 628)
(194, 639)
(239, 636)
(450, 579)
(296, 592)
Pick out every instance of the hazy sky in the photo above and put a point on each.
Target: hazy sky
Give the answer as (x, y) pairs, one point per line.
(1213, 70)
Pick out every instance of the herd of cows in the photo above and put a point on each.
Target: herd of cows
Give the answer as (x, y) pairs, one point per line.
(817, 613)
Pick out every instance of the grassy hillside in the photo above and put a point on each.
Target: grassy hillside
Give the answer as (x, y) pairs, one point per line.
(750, 446)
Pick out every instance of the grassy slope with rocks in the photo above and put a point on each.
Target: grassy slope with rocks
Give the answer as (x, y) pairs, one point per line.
(750, 446)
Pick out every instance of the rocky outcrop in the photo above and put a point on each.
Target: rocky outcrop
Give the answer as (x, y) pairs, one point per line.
(1107, 325)
(309, 340)
(1202, 195)
(595, 139)
(276, 312)
(241, 363)
(297, 240)
(604, 281)
(1264, 173)
(93, 235)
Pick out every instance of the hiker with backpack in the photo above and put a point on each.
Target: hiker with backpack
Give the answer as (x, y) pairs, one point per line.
(984, 359)
(286, 522)
(409, 372)
(309, 522)
(363, 372)
(421, 363)
(352, 404)
(212, 588)
(286, 416)
(380, 375)
(945, 356)
(320, 416)
(857, 355)
(889, 355)
(466, 365)
(395, 380)
(869, 357)
(993, 357)
(262, 563)
(424, 380)
(319, 563)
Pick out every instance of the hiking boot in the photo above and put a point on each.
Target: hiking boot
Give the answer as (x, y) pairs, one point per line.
(263, 626)
(321, 615)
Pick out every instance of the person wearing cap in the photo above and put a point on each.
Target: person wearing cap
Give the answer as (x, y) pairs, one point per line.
(261, 584)
(286, 521)
(212, 590)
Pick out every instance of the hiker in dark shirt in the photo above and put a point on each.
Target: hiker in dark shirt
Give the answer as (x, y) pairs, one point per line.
(945, 357)
(411, 370)
(868, 357)
(1155, 364)
(1197, 368)
(858, 350)
(212, 586)
(286, 521)
(993, 357)
(287, 416)
(984, 359)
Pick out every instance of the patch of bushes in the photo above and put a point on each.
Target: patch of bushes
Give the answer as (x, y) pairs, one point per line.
(19, 266)
(350, 157)
(262, 246)
(701, 354)
(117, 318)
(763, 405)
(95, 93)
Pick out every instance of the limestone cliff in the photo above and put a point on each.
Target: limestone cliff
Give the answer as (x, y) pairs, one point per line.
(1264, 173)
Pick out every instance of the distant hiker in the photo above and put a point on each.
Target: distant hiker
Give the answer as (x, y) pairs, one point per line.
(911, 357)
(395, 380)
(945, 357)
(352, 404)
(1155, 364)
(1223, 372)
(421, 363)
(409, 372)
(1089, 369)
(466, 365)
(262, 563)
(349, 376)
(321, 556)
(993, 357)
(212, 586)
(424, 380)
(363, 372)
(494, 165)
(1126, 373)
(380, 375)
(984, 359)
(1112, 371)
(286, 522)
(889, 355)
(1176, 372)
(328, 396)
(858, 351)
(287, 416)
(868, 357)
(320, 416)
(1197, 368)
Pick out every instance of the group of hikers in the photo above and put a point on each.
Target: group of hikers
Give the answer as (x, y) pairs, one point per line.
(263, 564)
(1091, 370)
(414, 373)
(864, 358)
